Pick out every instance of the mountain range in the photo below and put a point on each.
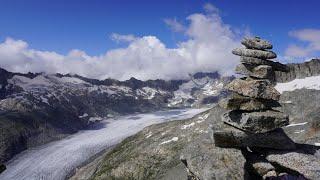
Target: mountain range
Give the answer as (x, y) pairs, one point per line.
(36, 108)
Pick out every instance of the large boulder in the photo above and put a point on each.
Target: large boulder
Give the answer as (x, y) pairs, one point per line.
(256, 61)
(256, 122)
(205, 161)
(261, 71)
(306, 164)
(254, 53)
(254, 88)
(233, 138)
(237, 102)
(256, 43)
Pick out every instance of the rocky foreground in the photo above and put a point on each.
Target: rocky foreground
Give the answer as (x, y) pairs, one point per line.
(155, 152)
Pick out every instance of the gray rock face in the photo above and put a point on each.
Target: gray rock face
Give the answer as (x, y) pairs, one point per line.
(261, 71)
(256, 43)
(237, 102)
(254, 89)
(256, 122)
(232, 138)
(305, 164)
(205, 161)
(254, 53)
(298, 71)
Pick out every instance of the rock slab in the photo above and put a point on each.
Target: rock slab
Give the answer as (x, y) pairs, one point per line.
(256, 122)
(237, 102)
(254, 53)
(233, 138)
(306, 164)
(256, 43)
(254, 88)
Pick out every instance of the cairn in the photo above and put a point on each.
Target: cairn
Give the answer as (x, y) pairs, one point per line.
(253, 118)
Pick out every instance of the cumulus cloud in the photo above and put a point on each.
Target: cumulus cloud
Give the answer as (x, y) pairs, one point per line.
(312, 39)
(122, 38)
(207, 48)
(208, 7)
(175, 25)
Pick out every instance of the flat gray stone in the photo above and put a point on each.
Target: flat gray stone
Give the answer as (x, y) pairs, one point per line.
(306, 164)
(238, 102)
(254, 53)
(256, 43)
(261, 71)
(233, 138)
(206, 161)
(256, 122)
(256, 61)
(254, 88)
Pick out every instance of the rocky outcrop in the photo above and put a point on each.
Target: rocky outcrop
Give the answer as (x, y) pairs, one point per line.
(299, 71)
(193, 134)
(205, 161)
(301, 162)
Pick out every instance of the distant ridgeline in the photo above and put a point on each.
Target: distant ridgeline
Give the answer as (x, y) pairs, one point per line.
(299, 70)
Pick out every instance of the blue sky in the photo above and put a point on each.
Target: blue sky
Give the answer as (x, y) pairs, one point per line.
(60, 26)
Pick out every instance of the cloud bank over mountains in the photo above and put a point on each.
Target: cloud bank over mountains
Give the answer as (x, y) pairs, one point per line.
(207, 48)
(311, 38)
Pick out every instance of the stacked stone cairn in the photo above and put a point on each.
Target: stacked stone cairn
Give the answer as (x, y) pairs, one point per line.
(253, 119)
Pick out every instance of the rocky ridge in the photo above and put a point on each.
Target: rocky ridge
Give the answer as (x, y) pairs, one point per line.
(299, 71)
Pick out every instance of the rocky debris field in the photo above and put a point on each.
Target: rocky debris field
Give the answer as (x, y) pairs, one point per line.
(142, 157)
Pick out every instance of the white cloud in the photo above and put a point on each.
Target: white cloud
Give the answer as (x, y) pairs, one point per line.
(210, 8)
(122, 38)
(175, 25)
(207, 48)
(310, 36)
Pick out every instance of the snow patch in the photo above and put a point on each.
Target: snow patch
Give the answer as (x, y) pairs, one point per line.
(297, 124)
(149, 135)
(84, 115)
(44, 99)
(317, 144)
(95, 119)
(188, 125)
(287, 102)
(300, 131)
(174, 139)
(72, 80)
(306, 83)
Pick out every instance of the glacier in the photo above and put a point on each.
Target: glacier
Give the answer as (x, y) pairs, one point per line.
(58, 159)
